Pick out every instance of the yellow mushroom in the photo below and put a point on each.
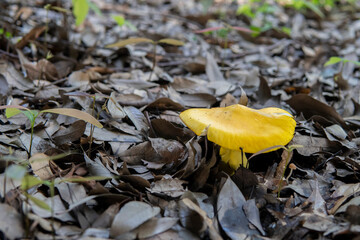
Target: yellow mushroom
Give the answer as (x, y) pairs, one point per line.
(238, 127)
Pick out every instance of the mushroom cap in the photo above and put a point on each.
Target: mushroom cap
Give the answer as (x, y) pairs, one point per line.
(237, 126)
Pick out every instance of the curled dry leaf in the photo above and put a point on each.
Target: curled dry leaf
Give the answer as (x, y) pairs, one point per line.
(114, 108)
(168, 186)
(197, 220)
(40, 165)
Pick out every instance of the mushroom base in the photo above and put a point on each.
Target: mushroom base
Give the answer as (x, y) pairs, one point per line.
(233, 158)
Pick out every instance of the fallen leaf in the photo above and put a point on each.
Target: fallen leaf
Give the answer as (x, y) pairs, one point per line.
(310, 107)
(168, 186)
(40, 165)
(131, 216)
(155, 226)
(231, 215)
(11, 226)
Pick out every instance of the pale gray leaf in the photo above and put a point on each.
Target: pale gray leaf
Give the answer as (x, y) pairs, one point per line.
(155, 226)
(253, 215)
(137, 117)
(212, 69)
(132, 215)
(11, 224)
(230, 212)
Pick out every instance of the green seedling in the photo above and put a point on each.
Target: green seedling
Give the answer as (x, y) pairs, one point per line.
(81, 10)
(206, 4)
(223, 32)
(18, 171)
(253, 9)
(12, 110)
(93, 97)
(121, 21)
(305, 4)
(334, 60)
(6, 34)
(338, 78)
(169, 41)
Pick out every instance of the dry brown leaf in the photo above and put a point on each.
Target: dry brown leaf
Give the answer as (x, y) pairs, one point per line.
(40, 165)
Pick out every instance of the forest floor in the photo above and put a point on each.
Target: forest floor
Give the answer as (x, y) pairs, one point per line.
(140, 172)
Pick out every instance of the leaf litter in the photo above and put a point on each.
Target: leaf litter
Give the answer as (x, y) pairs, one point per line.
(144, 175)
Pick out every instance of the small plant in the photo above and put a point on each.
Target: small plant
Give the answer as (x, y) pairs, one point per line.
(252, 9)
(223, 32)
(12, 110)
(123, 43)
(313, 5)
(338, 77)
(6, 34)
(334, 60)
(81, 10)
(18, 171)
(121, 21)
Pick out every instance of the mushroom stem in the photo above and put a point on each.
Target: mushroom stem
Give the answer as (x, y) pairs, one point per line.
(233, 158)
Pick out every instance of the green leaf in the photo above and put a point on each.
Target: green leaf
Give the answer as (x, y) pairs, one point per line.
(223, 33)
(38, 202)
(333, 60)
(171, 41)
(120, 20)
(31, 115)
(130, 25)
(286, 30)
(30, 181)
(255, 31)
(94, 8)
(123, 43)
(10, 112)
(314, 8)
(76, 114)
(354, 62)
(80, 10)
(13, 112)
(245, 9)
(15, 172)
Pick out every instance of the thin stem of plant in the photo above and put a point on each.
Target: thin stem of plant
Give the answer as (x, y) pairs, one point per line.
(31, 136)
(5, 180)
(52, 194)
(154, 61)
(26, 211)
(92, 127)
(283, 174)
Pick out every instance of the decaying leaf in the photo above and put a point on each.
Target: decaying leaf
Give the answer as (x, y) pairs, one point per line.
(40, 165)
(168, 186)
